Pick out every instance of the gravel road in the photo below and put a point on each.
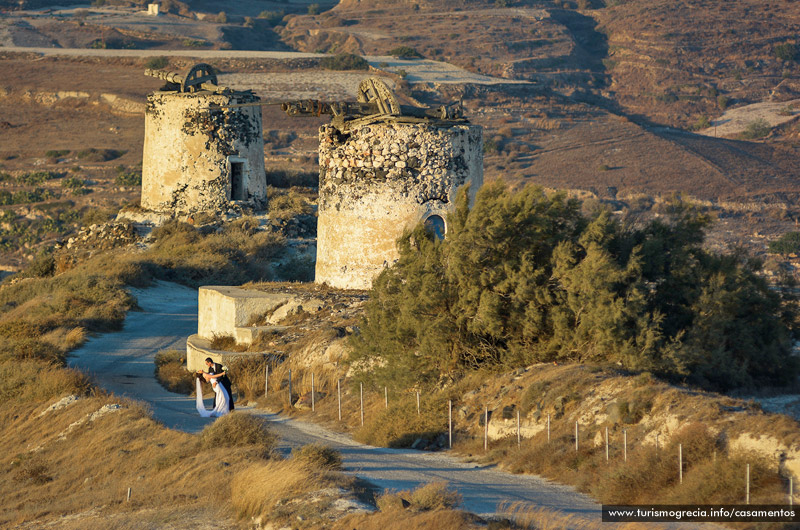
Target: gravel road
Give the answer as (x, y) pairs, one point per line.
(122, 363)
(415, 70)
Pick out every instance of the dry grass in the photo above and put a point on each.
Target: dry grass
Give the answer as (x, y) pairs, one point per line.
(317, 456)
(400, 425)
(279, 490)
(394, 520)
(428, 506)
(171, 371)
(238, 429)
(61, 463)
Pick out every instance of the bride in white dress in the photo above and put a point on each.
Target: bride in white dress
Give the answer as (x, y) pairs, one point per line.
(222, 397)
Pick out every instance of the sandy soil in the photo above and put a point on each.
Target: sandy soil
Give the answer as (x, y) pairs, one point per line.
(735, 121)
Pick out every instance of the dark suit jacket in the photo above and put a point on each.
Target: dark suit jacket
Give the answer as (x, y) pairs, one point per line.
(215, 369)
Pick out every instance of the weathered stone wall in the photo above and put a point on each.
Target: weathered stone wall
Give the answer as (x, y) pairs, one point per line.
(380, 179)
(189, 149)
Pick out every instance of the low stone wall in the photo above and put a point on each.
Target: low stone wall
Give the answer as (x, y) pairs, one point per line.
(198, 349)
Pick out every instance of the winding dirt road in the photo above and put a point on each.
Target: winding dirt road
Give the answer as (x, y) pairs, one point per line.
(123, 364)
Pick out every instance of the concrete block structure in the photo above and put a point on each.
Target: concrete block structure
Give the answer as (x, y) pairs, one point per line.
(378, 179)
(231, 311)
(201, 150)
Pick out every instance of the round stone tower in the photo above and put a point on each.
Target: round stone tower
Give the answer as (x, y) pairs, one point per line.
(201, 150)
(380, 178)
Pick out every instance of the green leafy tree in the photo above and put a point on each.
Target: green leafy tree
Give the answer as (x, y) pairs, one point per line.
(524, 277)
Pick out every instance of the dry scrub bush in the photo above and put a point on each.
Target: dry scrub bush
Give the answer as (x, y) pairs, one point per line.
(525, 517)
(433, 496)
(36, 381)
(400, 425)
(238, 429)
(391, 520)
(257, 490)
(247, 375)
(428, 506)
(171, 371)
(317, 456)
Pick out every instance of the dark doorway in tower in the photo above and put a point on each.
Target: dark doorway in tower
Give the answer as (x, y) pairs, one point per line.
(435, 225)
(237, 181)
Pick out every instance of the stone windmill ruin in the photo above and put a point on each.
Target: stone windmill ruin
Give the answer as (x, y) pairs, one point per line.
(202, 148)
(383, 168)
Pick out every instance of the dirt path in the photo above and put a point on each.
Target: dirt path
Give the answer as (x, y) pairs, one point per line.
(416, 71)
(123, 364)
(736, 121)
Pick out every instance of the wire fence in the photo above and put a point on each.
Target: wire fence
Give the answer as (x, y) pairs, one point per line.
(314, 390)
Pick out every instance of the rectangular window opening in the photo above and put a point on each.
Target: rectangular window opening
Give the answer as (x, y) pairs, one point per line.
(237, 181)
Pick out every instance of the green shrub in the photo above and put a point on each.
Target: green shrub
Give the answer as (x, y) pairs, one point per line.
(57, 153)
(157, 63)
(788, 243)
(273, 18)
(313, 9)
(128, 177)
(221, 18)
(36, 177)
(757, 129)
(702, 123)
(27, 196)
(405, 52)
(524, 277)
(99, 155)
(344, 61)
(786, 51)
(72, 183)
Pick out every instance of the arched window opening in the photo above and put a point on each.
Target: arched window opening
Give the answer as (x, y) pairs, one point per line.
(435, 225)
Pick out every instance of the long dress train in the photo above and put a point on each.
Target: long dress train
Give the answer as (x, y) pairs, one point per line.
(221, 407)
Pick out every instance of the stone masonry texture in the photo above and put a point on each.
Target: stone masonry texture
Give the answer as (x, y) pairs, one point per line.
(380, 179)
(192, 142)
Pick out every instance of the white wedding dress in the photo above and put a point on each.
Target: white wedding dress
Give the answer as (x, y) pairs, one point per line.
(221, 400)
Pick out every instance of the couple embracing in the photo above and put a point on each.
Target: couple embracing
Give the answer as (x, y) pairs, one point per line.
(223, 400)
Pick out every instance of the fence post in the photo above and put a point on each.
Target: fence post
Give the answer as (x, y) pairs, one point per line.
(339, 396)
(266, 380)
(747, 488)
(386, 397)
(548, 428)
(519, 437)
(606, 444)
(656, 441)
(680, 463)
(485, 428)
(576, 435)
(290, 388)
(129, 495)
(450, 423)
(417, 402)
(625, 442)
(313, 407)
(361, 392)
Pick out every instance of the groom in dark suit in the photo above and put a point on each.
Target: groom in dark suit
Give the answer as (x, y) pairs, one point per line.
(216, 370)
